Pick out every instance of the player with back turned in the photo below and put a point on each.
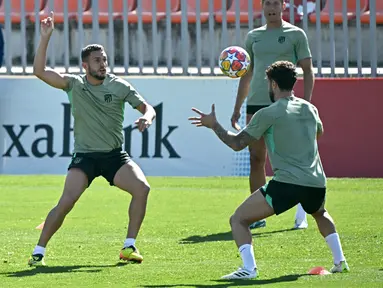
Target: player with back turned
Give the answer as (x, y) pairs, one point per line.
(277, 40)
(290, 127)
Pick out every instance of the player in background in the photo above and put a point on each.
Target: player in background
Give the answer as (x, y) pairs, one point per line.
(277, 40)
(290, 126)
(97, 101)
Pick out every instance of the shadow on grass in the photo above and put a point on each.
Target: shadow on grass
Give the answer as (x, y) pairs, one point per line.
(225, 236)
(229, 283)
(61, 269)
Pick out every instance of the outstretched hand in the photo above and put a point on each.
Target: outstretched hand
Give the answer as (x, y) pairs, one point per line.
(47, 26)
(205, 120)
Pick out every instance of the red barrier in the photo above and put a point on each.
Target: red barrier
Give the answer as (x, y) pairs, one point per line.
(352, 144)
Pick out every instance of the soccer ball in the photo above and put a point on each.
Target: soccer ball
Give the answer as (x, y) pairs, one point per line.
(234, 62)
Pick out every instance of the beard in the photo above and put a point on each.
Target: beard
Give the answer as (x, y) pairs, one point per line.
(97, 76)
(271, 95)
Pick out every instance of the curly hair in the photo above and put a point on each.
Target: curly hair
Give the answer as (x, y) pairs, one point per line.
(283, 73)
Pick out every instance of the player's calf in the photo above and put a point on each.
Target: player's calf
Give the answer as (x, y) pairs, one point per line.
(327, 228)
(325, 222)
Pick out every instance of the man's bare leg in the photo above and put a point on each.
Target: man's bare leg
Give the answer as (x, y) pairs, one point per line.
(257, 176)
(131, 179)
(254, 208)
(75, 184)
(327, 228)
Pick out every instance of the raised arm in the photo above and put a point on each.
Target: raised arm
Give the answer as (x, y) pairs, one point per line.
(40, 70)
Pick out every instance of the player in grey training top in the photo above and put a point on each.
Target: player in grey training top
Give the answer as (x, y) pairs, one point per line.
(290, 127)
(98, 110)
(97, 102)
(275, 41)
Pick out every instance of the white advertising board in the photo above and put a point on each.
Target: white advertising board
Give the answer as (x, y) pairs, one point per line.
(36, 123)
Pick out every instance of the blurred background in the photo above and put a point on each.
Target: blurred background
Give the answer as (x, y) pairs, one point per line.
(185, 37)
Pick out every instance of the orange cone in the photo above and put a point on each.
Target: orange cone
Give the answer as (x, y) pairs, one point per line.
(318, 271)
(41, 226)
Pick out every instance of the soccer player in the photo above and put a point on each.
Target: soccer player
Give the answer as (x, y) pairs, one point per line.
(277, 40)
(97, 100)
(290, 127)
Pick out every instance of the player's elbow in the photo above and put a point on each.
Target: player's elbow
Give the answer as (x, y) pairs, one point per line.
(38, 69)
(306, 65)
(38, 72)
(237, 147)
(307, 70)
(39, 75)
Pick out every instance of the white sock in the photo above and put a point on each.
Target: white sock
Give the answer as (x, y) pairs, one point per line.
(247, 255)
(129, 242)
(333, 242)
(39, 250)
(301, 215)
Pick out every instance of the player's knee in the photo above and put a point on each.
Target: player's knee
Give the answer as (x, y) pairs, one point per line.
(235, 219)
(319, 214)
(232, 220)
(142, 190)
(145, 189)
(66, 204)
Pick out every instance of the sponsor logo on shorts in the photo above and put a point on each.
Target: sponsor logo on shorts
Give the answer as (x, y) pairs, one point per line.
(77, 160)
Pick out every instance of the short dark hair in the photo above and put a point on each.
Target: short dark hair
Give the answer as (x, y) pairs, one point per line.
(85, 52)
(283, 73)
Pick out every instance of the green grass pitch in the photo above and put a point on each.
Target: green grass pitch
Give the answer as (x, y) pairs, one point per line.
(185, 239)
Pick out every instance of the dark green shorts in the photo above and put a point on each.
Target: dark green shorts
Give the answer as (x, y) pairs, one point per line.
(252, 109)
(283, 196)
(97, 164)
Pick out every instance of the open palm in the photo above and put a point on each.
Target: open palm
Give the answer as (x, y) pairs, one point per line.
(205, 120)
